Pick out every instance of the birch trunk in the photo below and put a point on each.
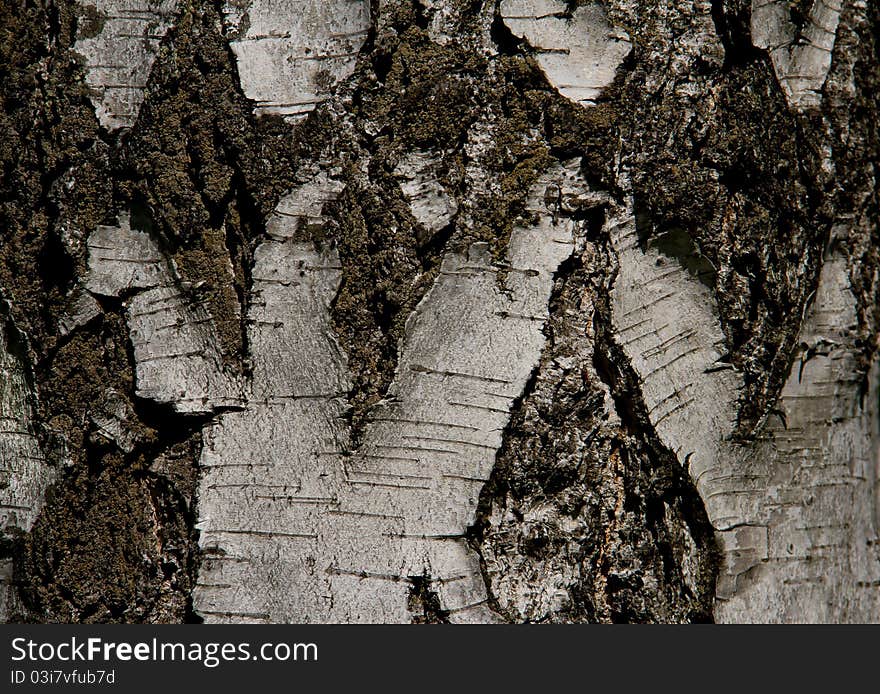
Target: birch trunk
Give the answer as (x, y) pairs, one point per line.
(439, 311)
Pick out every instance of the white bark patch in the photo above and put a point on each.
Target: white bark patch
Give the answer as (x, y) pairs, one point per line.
(429, 202)
(801, 58)
(302, 207)
(291, 55)
(579, 52)
(295, 527)
(796, 511)
(81, 309)
(24, 473)
(120, 56)
(173, 335)
(666, 322)
(818, 507)
(272, 472)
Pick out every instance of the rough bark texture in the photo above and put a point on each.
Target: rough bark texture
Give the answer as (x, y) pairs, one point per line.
(438, 310)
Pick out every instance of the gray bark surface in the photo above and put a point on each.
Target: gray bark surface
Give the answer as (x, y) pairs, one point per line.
(439, 311)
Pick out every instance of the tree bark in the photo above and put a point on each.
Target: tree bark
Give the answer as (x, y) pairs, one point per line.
(439, 311)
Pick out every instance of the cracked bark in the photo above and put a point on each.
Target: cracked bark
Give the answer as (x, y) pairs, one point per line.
(433, 311)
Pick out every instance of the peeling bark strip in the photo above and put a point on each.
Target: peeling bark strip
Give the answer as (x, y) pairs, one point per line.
(801, 55)
(579, 51)
(666, 323)
(796, 513)
(809, 552)
(24, 474)
(431, 444)
(119, 40)
(291, 54)
(176, 348)
(297, 528)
